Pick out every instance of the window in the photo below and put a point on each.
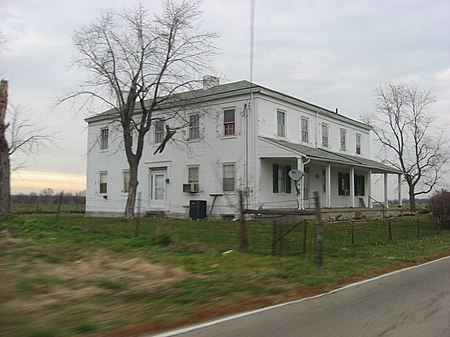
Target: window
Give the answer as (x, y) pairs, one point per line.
(193, 175)
(343, 183)
(229, 122)
(281, 180)
(358, 143)
(228, 177)
(194, 126)
(159, 131)
(126, 181)
(305, 130)
(103, 179)
(325, 135)
(281, 123)
(104, 134)
(343, 138)
(359, 185)
(324, 181)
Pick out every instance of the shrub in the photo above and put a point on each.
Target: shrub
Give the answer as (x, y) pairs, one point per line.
(440, 207)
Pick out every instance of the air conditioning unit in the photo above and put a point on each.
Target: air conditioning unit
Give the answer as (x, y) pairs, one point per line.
(190, 188)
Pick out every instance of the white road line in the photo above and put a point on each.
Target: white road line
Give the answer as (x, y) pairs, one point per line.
(248, 313)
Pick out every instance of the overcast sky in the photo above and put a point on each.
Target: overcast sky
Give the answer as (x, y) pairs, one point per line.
(332, 53)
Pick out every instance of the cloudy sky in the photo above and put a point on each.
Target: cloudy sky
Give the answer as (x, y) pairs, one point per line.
(332, 53)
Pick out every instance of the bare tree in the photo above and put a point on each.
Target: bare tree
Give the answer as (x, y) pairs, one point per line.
(136, 63)
(5, 166)
(410, 139)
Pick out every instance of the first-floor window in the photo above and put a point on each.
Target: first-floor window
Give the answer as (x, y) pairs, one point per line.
(103, 182)
(343, 183)
(359, 185)
(193, 175)
(228, 177)
(281, 180)
(126, 181)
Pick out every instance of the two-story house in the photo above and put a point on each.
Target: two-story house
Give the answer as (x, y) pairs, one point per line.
(238, 136)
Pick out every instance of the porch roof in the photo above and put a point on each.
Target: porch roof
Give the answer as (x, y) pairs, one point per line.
(323, 155)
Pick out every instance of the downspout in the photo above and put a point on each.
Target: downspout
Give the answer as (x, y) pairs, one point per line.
(316, 131)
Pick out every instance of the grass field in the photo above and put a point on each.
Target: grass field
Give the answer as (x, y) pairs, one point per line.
(79, 276)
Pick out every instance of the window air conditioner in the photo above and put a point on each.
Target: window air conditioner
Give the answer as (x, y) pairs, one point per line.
(190, 188)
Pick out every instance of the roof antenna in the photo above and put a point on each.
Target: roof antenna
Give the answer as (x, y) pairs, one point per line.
(252, 36)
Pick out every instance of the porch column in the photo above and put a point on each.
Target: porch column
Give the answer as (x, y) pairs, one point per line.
(386, 201)
(328, 184)
(369, 190)
(352, 186)
(300, 183)
(400, 203)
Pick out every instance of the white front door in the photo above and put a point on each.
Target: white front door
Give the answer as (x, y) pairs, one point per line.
(158, 188)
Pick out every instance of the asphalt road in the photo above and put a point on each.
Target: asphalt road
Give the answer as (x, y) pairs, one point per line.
(412, 302)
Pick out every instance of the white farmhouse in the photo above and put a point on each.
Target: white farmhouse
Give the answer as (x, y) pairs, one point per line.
(237, 136)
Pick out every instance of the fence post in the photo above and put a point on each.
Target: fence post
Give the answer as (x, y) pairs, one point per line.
(243, 225)
(353, 231)
(137, 216)
(305, 235)
(58, 208)
(418, 228)
(389, 229)
(319, 231)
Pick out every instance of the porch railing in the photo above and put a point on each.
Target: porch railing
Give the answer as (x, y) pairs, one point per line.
(383, 206)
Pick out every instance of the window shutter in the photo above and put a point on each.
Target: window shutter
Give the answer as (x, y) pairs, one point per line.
(340, 189)
(288, 179)
(362, 179)
(275, 177)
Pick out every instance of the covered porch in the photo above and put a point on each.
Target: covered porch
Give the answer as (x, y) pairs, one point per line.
(343, 181)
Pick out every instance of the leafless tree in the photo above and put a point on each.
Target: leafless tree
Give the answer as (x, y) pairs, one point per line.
(17, 134)
(410, 138)
(136, 63)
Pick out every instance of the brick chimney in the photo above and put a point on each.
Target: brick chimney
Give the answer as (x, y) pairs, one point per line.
(210, 81)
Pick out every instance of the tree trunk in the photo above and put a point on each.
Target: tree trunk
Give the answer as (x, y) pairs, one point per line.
(132, 192)
(5, 169)
(412, 200)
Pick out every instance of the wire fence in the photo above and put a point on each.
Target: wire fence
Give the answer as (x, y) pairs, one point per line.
(57, 203)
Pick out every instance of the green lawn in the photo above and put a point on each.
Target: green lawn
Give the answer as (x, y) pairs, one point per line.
(92, 276)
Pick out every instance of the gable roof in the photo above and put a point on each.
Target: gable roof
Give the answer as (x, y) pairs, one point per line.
(324, 155)
(234, 89)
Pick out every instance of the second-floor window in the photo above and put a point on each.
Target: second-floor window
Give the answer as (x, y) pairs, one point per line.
(358, 143)
(229, 122)
(325, 135)
(159, 131)
(281, 123)
(104, 135)
(305, 130)
(194, 126)
(343, 140)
